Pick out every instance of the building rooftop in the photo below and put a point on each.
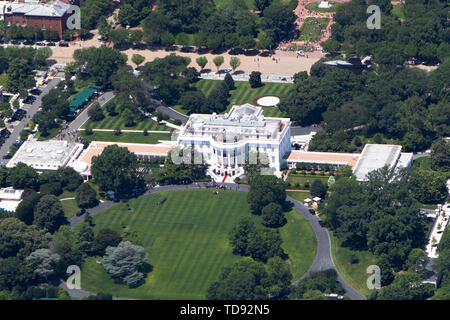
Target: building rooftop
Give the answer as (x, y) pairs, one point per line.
(83, 163)
(349, 159)
(34, 8)
(245, 120)
(45, 155)
(376, 156)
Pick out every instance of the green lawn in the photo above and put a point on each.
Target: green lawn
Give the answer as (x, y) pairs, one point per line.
(422, 163)
(118, 122)
(3, 78)
(70, 208)
(245, 94)
(312, 27)
(399, 11)
(300, 196)
(299, 242)
(293, 179)
(355, 274)
(187, 242)
(51, 134)
(131, 137)
(313, 6)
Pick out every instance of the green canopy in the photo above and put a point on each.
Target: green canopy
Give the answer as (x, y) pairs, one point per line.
(83, 98)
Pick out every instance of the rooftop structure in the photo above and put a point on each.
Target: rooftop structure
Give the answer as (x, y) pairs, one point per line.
(52, 15)
(45, 155)
(10, 194)
(83, 162)
(328, 158)
(225, 140)
(376, 156)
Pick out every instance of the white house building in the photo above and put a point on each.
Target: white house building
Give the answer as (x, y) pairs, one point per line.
(225, 141)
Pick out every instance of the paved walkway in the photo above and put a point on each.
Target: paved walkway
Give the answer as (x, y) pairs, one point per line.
(323, 260)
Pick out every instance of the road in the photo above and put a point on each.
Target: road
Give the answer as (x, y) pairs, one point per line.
(31, 111)
(83, 116)
(323, 260)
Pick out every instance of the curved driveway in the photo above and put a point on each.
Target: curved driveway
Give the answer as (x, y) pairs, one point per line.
(323, 260)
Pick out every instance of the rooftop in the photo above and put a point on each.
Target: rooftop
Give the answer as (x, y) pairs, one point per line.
(83, 163)
(45, 155)
(349, 159)
(376, 156)
(35, 8)
(245, 120)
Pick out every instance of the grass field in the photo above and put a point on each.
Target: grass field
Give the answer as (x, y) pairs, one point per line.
(51, 134)
(300, 196)
(398, 10)
(312, 27)
(118, 122)
(355, 274)
(245, 94)
(131, 137)
(313, 6)
(294, 179)
(187, 242)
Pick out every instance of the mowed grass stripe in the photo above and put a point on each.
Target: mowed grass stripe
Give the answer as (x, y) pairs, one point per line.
(186, 238)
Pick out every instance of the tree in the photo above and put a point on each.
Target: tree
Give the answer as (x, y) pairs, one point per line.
(25, 209)
(86, 196)
(440, 156)
(194, 102)
(279, 276)
(239, 235)
(49, 213)
(264, 244)
(300, 76)
(116, 169)
(20, 75)
(22, 176)
(318, 189)
(65, 244)
(229, 82)
(428, 186)
(313, 295)
(202, 62)
(18, 239)
(235, 62)
(272, 215)
(264, 190)
(105, 238)
(95, 112)
(243, 281)
(417, 261)
(278, 20)
(85, 237)
(260, 5)
(218, 61)
(255, 79)
(100, 63)
(43, 262)
(137, 59)
(124, 262)
(407, 286)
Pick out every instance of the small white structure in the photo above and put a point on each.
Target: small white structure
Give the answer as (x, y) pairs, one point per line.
(307, 202)
(10, 194)
(324, 5)
(317, 200)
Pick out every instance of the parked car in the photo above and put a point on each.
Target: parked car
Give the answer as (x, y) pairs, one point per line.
(81, 212)
(7, 156)
(28, 42)
(322, 223)
(40, 43)
(29, 100)
(15, 42)
(63, 44)
(36, 91)
(51, 44)
(312, 211)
